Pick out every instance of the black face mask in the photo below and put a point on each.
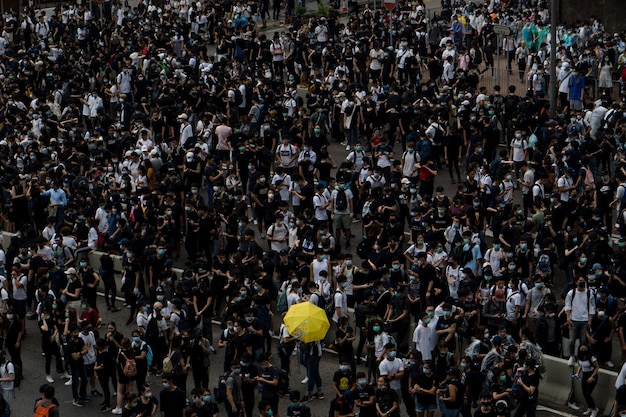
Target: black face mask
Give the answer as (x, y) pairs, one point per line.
(581, 285)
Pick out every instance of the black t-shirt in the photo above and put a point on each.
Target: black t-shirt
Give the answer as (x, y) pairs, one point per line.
(385, 399)
(302, 411)
(172, 402)
(532, 381)
(74, 346)
(426, 383)
(343, 380)
(270, 373)
(71, 289)
(364, 394)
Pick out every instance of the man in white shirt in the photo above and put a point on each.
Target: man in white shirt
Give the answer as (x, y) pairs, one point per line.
(392, 368)
(340, 299)
(186, 130)
(580, 307)
(423, 339)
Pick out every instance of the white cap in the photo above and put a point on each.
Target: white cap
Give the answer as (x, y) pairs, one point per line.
(183, 116)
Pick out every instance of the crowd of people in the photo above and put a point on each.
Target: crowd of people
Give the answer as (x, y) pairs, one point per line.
(181, 134)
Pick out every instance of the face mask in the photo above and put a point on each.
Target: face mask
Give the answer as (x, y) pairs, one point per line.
(496, 246)
(249, 319)
(376, 329)
(343, 368)
(426, 371)
(160, 297)
(511, 267)
(206, 398)
(583, 260)
(503, 378)
(136, 339)
(581, 284)
(269, 413)
(345, 285)
(395, 267)
(447, 314)
(84, 307)
(601, 314)
(10, 316)
(236, 371)
(133, 405)
(161, 252)
(243, 293)
(392, 354)
(538, 286)
(463, 365)
(362, 382)
(426, 322)
(524, 246)
(166, 385)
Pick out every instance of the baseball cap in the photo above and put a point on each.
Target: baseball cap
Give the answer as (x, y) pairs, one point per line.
(70, 271)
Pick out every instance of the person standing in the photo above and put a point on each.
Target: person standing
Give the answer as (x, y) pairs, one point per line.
(13, 337)
(76, 350)
(529, 382)
(269, 380)
(105, 369)
(171, 398)
(7, 378)
(580, 307)
(342, 211)
(588, 369)
(49, 345)
(392, 369)
(234, 402)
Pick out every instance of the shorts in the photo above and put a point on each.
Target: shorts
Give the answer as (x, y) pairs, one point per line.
(420, 408)
(342, 221)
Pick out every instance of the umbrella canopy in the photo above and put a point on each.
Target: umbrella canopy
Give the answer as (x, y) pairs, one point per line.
(307, 322)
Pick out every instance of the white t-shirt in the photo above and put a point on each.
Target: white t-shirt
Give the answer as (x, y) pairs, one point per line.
(513, 300)
(519, 146)
(341, 301)
(349, 198)
(318, 201)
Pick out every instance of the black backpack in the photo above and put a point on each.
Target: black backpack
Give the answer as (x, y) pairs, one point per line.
(283, 383)
(363, 249)
(219, 392)
(238, 97)
(152, 330)
(342, 200)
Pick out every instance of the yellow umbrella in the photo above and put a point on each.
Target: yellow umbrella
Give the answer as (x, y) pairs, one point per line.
(307, 322)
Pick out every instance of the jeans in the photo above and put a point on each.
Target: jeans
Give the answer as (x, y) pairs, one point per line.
(313, 372)
(79, 376)
(449, 412)
(579, 329)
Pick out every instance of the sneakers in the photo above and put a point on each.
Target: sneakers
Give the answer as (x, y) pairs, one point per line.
(587, 411)
(104, 408)
(573, 406)
(305, 380)
(115, 309)
(49, 379)
(66, 376)
(610, 364)
(307, 398)
(213, 350)
(96, 393)
(77, 403)
(68, 382)
(321, 396)
(347, 147)
(594, 412)
(571, 361)
(117, 410)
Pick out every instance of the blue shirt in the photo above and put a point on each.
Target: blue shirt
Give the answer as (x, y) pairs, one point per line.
(57, 196)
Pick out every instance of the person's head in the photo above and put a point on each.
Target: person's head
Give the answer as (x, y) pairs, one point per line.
(382, 382)
(235, 367)
(485, 398)
(390, 351)
(344, 364)
(145, 390)
(131, 400)
(294, 398)
(265, 409)
(47, 391)
(168, 381)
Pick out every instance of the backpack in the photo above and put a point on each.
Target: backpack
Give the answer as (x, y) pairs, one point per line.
(152, 330)
(589, 182)
(283, 383)
(238, 97)
(183, 323)
(168, 366)
(330, 306)
(341, 203)
(17, 374)
(282, 306)
(130, 367)
(149, 354)
(219, 392)
(467, 256)
(43, 411)
(439, 130)
(321, 301)
(363, 249)
(543, 262)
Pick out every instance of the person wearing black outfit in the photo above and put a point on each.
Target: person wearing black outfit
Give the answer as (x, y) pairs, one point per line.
(49, 344)
(76, 349)
(249, 372)
(269, 380)
(171, 398)
(105, 369)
